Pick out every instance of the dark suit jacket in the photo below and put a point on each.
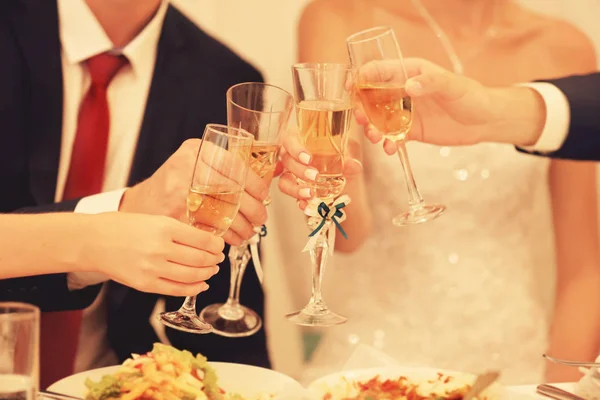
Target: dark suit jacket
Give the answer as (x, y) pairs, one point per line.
(191, 77)
(583, 141)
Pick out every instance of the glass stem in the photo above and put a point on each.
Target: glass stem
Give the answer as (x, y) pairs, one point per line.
(239, 256)
(319, 257)
(415, 199)
(188, 306)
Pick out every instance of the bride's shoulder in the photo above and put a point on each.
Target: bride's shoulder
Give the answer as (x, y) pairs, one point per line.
(323, 27)
(318, 9)
(342, 14)
(569, 47)
(332, 6)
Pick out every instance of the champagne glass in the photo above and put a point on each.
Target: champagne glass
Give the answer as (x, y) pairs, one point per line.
(262, 110)
(324, 114)
(379, 79)
(213, 201)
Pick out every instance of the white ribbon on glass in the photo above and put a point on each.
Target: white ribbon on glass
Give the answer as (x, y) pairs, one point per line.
(336, 215)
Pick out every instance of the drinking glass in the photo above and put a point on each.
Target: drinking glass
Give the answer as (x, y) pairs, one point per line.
(213, 201)
(262, 110)
(324, 114)
(379, 79)
(19, 351)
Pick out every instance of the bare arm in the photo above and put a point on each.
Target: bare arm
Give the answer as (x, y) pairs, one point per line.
(147, 252)
(321, 39)
(38, 244)
(575, 332)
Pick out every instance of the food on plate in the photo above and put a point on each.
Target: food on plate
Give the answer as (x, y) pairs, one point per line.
(402, 388)
(165, 373)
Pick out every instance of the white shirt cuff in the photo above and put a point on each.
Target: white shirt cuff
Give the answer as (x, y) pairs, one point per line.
(558, 117)
(101, 202)
(96, 204)
(80, 280)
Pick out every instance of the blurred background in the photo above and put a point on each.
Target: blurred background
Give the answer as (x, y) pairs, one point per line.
(243, 26)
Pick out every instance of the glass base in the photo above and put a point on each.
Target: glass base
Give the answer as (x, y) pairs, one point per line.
(232, 321)
(418, 215)
(186, 322)
(316, 315)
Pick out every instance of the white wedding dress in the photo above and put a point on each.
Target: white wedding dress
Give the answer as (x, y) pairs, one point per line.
(469, 291)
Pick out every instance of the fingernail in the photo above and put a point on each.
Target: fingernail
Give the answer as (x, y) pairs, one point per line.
(305, 192)
(311, 174)
(204, 287)
(304, 158)
(414, 87)
(216, 270)
(360, 164)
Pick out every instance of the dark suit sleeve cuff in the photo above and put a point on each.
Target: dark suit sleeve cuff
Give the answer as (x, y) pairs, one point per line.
(49, 292)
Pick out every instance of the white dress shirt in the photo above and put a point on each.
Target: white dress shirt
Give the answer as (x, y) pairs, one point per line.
(558, 118)
(82, 37)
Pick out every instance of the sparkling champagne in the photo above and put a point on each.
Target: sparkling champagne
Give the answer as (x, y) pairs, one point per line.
(264, 159)
(324, 127)
(213, 208)
(388, 107)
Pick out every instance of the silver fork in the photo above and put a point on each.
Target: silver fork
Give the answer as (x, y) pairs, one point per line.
(571, 363)
(46, 394)
(556, 393)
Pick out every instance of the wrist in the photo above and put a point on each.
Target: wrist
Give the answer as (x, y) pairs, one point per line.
(520, 116)
(75, 248)
(128, 202)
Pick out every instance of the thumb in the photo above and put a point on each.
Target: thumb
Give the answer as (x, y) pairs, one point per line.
(444, 85)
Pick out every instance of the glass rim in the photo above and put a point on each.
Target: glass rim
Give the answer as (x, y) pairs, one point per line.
(225, 131)
(353, 39)
(288, 108)
(22, 311)
(321, 66)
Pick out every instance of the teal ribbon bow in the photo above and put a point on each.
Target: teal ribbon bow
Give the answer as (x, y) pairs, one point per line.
(324, 212)
(263, 231)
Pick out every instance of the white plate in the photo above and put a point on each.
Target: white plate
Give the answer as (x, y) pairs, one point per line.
(340, 384)
(245, 380)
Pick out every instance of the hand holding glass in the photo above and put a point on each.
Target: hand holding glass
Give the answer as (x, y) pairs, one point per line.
(379, 81)
(324, 114)
(213, 201)
(263, 111)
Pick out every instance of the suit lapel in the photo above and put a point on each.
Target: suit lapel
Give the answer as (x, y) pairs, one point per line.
(35, 23)
(161, 131)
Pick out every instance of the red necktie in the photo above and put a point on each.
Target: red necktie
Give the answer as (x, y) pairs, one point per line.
(60, 330)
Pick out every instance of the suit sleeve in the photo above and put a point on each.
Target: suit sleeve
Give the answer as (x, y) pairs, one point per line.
(48, 292)
(583, 140)
(63, 206)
